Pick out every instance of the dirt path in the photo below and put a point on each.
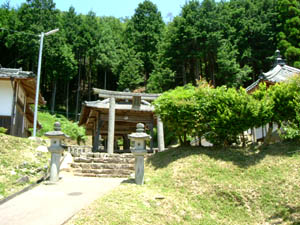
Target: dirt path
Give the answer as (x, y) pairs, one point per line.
(55, 204)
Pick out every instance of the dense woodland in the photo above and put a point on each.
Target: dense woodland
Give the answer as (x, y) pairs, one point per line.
(225, 42)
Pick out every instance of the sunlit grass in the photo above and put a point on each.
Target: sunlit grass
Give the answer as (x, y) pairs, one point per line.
(259, 185)
(19, 158)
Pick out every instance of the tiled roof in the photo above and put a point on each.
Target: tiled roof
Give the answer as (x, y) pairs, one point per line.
(253, 85)
(15, 73)
(281, 73)
(278, 74)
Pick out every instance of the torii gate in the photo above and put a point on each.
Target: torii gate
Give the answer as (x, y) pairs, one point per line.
(111, 118)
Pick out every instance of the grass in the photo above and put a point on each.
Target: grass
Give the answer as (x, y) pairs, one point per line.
(70, 128)
(258, 185)
(19, 158)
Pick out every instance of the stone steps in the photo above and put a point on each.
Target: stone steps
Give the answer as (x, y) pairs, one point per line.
(103, 165)
(101, 175)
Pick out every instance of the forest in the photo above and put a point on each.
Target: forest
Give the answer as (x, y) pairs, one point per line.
(224, 42)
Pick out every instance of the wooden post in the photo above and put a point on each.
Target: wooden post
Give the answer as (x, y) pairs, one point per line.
(14, 87)
(126, 143)
(98, 124)
(160, 135)
(93, 139)
(111, 125)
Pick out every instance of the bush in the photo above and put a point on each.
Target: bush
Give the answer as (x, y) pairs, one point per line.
(177, 108)
(228, 113)
(3, 130)
(220, 114)
(68, 127)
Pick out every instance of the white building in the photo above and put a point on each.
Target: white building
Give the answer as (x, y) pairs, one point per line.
(17, 93)
(280, 73)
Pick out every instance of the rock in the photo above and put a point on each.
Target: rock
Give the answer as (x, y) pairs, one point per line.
(42, 148)
(159, 197)
(23, 180)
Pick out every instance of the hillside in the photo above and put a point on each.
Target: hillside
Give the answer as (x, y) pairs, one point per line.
(20, 164)
(258, 185)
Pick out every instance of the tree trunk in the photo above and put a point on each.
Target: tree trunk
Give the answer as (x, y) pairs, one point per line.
(197, 70)
(212, 69)
(201, 69)
(89, 79)
(184, 74)
(78, 91)
(53, 97)
(268, 138)
(67, 99)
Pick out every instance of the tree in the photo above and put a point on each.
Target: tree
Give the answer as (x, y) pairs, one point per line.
(289, 37)
(143, 33)
(229, 71)
(129, 70)
(109, 49)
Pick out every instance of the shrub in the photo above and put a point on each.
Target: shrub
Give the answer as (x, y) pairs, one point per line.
(177, 108)
(220, 114)
(3, 130)
(229, 112)
(68, 127)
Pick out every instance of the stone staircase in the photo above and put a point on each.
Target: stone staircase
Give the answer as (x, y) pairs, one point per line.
(103, 165)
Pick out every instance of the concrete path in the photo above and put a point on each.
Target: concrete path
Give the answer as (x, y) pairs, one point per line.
(55, 204)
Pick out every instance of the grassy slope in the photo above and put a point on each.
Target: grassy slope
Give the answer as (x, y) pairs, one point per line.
(18, 158)
(207, 186)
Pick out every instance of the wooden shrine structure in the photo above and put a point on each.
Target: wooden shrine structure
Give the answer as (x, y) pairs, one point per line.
(116, 116)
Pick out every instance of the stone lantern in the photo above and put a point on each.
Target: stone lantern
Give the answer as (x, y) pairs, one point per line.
(56, 151)
(139, 151)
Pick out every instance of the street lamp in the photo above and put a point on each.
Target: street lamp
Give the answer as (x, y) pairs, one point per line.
(36, 102)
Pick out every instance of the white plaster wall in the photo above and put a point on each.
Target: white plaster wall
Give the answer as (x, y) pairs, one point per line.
(6, 96)
(260, 133)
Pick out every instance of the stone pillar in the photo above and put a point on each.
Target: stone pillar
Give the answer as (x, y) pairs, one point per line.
(139, 152)
(56, 150)
(111, 125)
(160, 135)
(139, 167)
(151, 134)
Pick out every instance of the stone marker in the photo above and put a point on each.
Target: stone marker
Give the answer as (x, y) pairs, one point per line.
(139, 152)
(56, 151)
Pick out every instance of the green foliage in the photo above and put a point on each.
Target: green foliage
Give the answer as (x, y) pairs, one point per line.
(289, 36)
(130, 75)
(229, 70)
(221, 114)
(229, 113)
(161, 79)
(143, 33)
(226, 42)
(177, 109)
(3, 130)
(69, 128)
(18, 158)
